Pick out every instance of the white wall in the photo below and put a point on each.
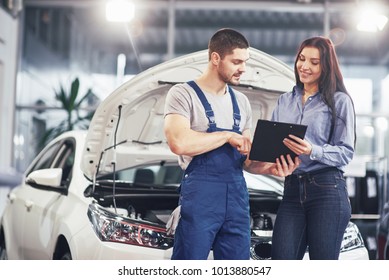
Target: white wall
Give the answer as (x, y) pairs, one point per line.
(8, 70)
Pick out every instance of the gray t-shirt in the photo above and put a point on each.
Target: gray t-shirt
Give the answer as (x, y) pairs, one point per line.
(183, 100)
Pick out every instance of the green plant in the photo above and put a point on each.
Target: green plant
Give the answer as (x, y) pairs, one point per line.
(73, 105)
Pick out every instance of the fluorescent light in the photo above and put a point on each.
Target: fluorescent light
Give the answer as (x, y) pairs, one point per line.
(119, 11)
(372, 24)
(370, 20)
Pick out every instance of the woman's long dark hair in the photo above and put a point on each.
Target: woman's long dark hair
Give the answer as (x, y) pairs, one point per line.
(331, 79)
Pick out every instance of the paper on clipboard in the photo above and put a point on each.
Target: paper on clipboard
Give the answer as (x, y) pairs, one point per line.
(267, 143)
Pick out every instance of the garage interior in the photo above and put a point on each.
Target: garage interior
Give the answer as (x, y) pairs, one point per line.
(60, 40)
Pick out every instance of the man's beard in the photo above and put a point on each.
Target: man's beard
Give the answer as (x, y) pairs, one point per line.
(234, 80)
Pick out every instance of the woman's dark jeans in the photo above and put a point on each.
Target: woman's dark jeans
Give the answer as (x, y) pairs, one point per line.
(314, 212)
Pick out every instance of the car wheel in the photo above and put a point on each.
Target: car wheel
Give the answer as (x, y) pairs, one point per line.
(3, 250)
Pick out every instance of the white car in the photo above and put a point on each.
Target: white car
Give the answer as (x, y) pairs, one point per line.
(107, 193)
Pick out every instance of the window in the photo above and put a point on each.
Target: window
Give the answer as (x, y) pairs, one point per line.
(46, 158)
(65, 160)
(59, 155)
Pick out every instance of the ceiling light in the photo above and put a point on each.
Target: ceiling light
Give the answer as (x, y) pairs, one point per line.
(370, 20)
(119, 11)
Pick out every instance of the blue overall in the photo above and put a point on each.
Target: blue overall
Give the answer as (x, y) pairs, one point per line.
(214, 200)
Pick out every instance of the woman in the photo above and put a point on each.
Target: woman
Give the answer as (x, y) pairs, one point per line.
(315, 209)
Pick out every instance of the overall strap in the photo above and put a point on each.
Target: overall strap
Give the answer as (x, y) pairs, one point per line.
(235, 109)
(208, 109)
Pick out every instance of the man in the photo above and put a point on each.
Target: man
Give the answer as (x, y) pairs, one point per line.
(207, 124)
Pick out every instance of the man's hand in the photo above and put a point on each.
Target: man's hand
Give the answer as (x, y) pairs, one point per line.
(241, 143)
(172, 223)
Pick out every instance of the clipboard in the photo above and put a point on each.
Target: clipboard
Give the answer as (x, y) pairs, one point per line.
(267, 143)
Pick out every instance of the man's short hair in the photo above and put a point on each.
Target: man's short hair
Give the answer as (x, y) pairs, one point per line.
(225, 40)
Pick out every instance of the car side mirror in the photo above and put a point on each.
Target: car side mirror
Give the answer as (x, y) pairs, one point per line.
(45, 177)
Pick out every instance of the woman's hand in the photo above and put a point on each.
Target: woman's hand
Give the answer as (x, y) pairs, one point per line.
(284, 167)
(298, 146)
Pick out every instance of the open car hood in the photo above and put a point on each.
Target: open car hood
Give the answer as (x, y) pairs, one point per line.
(127, 127)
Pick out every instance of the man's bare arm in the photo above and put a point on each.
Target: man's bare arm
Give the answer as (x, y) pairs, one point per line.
(182, 140)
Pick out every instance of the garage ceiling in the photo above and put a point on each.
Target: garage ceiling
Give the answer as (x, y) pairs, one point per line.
(167, 28)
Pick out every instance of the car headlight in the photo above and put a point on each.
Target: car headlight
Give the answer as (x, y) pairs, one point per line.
(111, 227)
(352, 238)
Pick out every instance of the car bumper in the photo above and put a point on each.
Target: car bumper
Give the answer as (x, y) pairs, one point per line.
(356, 254)
(87, 246)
